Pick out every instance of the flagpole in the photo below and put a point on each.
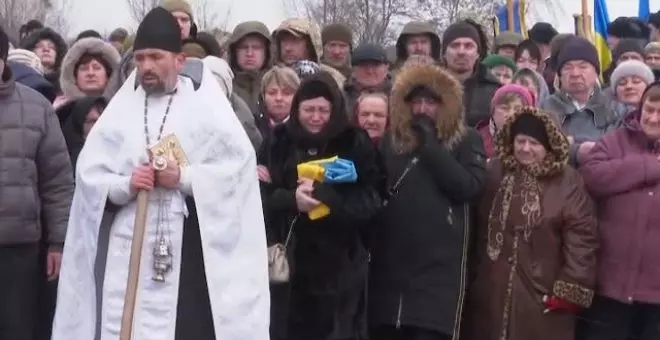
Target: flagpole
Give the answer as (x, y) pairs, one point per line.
(585, 22)
(510, 23)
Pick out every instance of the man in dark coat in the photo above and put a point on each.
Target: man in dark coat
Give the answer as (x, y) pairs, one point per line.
(464, 47)
(435, 166)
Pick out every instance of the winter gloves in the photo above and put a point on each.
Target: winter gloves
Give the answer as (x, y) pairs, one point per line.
(555, 304)
(424, 127)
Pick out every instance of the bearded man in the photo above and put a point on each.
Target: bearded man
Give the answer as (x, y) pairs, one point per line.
(203, 267)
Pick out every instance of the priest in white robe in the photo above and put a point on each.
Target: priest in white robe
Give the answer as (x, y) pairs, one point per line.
(204, 213)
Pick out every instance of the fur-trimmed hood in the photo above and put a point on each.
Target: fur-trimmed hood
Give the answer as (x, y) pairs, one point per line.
(556, 158)
(46, 33)
(80, 48)
(450, 124)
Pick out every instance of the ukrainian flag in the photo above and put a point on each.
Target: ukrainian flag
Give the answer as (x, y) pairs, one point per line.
(519, 24)
(601, 20)
(644, 10)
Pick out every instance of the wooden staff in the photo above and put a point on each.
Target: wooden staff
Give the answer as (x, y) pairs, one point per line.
(510, 23)
(139, 228)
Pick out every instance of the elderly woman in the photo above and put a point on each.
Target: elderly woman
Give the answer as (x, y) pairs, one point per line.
(278, 86)
(622, 172)
(505, 102)
(86, 69)
(371, 114)
(328, 255)
(629, 80)
(537, 238)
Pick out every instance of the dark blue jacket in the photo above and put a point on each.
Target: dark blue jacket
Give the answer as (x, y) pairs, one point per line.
(31, 78)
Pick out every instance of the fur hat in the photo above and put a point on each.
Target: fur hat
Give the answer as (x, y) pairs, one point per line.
(632, 68)
(542, 33)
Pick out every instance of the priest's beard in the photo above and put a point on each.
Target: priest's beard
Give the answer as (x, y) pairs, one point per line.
(152, 83)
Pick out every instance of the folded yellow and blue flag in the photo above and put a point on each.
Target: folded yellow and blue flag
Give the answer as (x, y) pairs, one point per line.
(327, 170)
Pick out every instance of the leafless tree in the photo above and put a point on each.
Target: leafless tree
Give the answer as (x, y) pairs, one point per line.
(14, 13)
(370, 20)
(442, 13)
(139, 8)
(57, 17)
(208, 17)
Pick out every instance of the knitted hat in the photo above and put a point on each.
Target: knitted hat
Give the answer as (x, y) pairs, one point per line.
(628, 45)
(337, 32)
(542, 33)
(192, 49)
(89, 34)
(305, 68)
(532, 126)
(26, 57)
(4, 44)
(623, 27)
(158, 30)
(507, 38)
(494, 60)
(457, 30)
(632, 68)
(652, 47)
(178, 6)
(525, 95)
(578, 48)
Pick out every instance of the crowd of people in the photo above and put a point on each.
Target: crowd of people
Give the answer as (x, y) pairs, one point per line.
(502, 192)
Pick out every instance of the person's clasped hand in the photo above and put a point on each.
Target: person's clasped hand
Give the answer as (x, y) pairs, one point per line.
(304, 199)
(170, 177)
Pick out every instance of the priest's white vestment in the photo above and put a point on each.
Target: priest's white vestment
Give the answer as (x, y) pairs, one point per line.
(222, 179)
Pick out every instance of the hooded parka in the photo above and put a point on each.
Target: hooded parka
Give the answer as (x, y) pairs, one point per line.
(418, 267)
(326, 296)
(416, 28)
(61, 48)
(84, 46)
(536, 236)
(314, 44)
(247, 84)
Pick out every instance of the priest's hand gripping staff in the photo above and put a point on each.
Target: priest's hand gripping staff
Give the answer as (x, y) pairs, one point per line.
(168, 148)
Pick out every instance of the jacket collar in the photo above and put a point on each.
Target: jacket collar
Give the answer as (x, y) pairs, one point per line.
(7, 84)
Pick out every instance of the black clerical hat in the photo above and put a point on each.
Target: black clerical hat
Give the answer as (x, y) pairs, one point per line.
(158, 30)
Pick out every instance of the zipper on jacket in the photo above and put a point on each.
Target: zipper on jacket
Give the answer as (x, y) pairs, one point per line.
(399, 311)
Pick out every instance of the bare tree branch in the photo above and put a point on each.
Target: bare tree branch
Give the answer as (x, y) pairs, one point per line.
(139, 8)
(15, 13)
(370, 20)
(208, 18)
(57, 17)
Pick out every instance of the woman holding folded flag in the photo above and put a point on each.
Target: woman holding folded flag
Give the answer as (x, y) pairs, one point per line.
(320, 222)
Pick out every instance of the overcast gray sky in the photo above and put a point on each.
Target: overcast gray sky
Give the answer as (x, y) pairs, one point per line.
(106, 15)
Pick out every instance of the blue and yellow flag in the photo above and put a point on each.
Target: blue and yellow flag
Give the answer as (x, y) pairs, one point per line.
(644, 10)
(519, 24)
(601, 20)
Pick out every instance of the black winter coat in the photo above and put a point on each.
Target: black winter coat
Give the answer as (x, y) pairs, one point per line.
(326, 296)
(418, 268)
